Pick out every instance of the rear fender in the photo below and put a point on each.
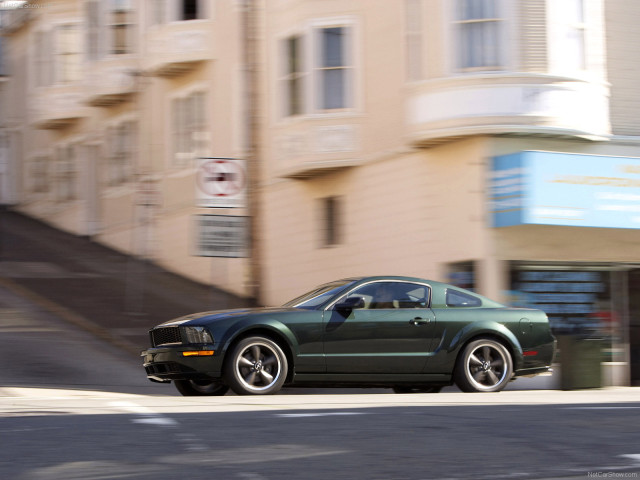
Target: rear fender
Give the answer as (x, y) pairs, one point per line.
(487, 329)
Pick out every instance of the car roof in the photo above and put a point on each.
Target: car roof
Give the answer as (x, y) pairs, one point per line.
(401, 278)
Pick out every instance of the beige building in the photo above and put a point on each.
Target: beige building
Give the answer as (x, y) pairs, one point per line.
(491, 143)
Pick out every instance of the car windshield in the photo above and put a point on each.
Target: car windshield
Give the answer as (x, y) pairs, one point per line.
(320, 295)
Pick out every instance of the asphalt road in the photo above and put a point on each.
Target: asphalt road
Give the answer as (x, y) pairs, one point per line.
(72, 407)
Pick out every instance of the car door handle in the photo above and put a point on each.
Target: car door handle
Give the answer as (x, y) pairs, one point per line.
(419, 321)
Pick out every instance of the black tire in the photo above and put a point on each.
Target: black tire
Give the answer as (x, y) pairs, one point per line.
(256, 366)
(196, 388)
(417, 389)
(484, 365)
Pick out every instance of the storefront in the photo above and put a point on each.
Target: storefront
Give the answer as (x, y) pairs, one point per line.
(586, 302)
(567, 231)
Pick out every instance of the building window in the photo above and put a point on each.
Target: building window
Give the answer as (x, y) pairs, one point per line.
(331, 218)
(575, 31)
(479, 28)
(317, 71)
(333, 68)
(293, 76)
(93, 30)
(158, 12)
(4, 71)
(121, 27)
(191, 9)
(39, 175)
(413, 37)
(189, 127)
(65, 175)
(68, 50)
(121, 148)
(42, 58)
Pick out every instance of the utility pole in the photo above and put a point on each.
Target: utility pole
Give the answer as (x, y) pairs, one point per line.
(251, 37)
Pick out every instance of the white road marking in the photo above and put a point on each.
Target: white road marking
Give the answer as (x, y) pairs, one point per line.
(601, 408)
(244, 456)
(316, 414)
(156, 420)
(146, 415)
(171, 466)
(632, 456)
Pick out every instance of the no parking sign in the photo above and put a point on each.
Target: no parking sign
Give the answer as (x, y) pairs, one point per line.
(221, 183)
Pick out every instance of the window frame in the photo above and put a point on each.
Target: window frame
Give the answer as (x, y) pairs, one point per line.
(322, 70)
(414, 38)
(121, 152)
(311, 73)
(562, 26)
(175, 11)
(331, 213)
(39, 173)
(65, 174)
(67, 67)
(44, 62)
(121, 27)
(187, 120)
(93, 31)
(354, 288)
(294, 72)
(464, 60)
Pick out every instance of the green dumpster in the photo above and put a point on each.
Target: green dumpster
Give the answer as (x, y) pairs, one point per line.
(580, 362)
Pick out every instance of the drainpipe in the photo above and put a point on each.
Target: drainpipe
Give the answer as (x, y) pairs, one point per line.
(250, 35)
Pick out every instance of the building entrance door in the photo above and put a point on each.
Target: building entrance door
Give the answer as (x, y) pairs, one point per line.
(634, 325)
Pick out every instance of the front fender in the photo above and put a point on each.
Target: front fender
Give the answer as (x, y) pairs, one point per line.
(268, 326)
(487, 329)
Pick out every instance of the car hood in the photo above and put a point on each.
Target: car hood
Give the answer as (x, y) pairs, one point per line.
(214, 316)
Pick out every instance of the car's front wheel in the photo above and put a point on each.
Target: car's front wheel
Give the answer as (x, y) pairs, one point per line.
(256, 366)
(485, 365)
(192, 388)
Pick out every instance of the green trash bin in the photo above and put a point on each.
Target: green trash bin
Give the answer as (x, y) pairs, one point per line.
(580, 362)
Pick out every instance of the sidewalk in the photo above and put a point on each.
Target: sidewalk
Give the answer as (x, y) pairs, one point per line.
(115, 296)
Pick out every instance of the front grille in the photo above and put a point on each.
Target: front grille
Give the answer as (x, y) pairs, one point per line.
(165, 335)
(163, 368)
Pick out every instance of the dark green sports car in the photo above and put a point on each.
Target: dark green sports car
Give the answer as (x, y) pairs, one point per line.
(410, 334)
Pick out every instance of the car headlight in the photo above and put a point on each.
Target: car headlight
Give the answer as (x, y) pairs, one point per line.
(197, 335)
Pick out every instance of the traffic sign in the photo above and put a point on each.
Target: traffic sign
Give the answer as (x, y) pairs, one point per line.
(222, 236)
(221, 183)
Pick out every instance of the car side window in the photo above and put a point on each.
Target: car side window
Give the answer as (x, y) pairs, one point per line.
(456, 298)
(380, 295)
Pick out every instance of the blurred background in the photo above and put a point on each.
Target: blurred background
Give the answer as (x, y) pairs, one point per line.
(266, 146)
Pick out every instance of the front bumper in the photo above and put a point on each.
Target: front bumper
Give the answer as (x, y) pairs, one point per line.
(164, 364)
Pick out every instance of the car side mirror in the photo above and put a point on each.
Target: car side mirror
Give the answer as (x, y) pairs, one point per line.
(350, 303)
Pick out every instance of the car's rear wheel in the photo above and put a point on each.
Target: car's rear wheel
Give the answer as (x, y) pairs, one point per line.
(256, 366)
(417, 389)
(193, 388)
(485, 365)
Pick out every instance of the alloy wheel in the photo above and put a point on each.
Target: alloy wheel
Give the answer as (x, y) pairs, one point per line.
(258, 367)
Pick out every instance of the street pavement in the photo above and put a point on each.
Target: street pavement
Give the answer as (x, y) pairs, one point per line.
(112, 295)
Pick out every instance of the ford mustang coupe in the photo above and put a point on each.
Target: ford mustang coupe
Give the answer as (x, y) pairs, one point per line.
(409, 334)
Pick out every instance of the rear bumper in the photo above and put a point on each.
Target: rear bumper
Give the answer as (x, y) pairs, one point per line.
(165, 364)
(532, 372)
